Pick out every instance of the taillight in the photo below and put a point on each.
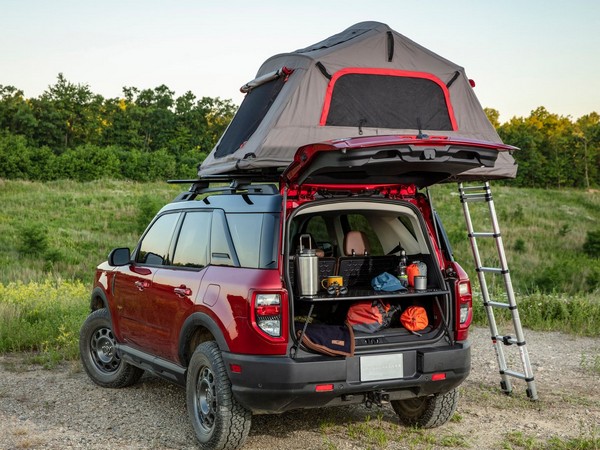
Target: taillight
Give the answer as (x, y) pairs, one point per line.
(267, 314)
(464, 306)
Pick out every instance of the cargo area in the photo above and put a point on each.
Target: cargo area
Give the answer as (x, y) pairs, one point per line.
(359, 240)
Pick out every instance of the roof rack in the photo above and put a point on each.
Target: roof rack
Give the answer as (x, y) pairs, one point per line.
(238, 183)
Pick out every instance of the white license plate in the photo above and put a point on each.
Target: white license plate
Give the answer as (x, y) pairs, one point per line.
(381, 367)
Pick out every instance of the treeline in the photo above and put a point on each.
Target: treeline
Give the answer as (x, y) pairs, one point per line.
(149, 134)
(556, 151)
(70, 132)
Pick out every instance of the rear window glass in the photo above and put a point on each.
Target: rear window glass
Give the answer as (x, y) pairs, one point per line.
(255, 238)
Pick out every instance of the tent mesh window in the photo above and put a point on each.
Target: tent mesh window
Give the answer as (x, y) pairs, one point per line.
(253, 109)
(388, 101)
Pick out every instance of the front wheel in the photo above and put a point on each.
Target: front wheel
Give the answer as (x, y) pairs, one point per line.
(427, 412)
(99, 355)
(219, 421)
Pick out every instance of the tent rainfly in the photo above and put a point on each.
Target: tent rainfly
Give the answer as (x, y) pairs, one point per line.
(366, 80)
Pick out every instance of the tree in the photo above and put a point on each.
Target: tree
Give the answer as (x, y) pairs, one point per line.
(493, 116)
(68, 114)
(587, 133)
(16, 114)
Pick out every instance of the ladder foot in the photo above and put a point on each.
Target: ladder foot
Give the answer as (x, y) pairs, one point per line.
(505, 387)
(531, 395)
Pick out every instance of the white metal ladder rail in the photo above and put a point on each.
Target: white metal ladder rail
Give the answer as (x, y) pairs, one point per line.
(469, 194)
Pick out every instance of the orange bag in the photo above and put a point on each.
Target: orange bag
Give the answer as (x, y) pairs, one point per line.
(414, 318)
(415, 269)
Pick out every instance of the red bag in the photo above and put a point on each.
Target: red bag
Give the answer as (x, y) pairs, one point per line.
(414, 318)
(370, 316)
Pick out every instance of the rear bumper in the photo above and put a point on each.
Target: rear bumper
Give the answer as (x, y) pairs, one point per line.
(273, 384)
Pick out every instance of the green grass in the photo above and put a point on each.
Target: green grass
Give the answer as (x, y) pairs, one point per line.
(43, 317)
(65, 228)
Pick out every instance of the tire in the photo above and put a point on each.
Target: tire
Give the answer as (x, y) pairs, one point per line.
(219, 421)
(99, 355)
(427, 412)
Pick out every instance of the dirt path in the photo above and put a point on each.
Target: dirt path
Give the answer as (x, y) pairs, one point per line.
(61, 408)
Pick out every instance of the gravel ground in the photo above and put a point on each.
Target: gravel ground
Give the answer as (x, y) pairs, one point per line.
(62, 409)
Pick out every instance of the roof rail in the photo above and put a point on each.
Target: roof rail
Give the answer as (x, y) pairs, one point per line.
(237, 184)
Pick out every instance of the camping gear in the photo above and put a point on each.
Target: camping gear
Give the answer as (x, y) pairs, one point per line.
(417, 268)
(336, 289)
(420, 282)
(387, 283)
(308, 268)
(371, 316)
(367, 80)
(414, 318)
(332, 340)
(332, 280)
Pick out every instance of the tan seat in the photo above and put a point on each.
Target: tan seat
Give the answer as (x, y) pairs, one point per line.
(356, 244)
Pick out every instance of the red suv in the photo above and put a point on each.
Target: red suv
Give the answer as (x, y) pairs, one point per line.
(241, 292)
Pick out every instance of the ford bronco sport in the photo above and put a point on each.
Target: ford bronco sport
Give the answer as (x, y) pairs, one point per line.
(210, 297)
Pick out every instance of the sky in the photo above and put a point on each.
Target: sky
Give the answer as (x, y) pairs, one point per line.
(522, 54)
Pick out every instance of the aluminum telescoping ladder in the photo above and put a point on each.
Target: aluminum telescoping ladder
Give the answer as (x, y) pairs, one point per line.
(469, 194)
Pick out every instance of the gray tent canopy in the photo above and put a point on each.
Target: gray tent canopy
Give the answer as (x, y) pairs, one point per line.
(366, 80)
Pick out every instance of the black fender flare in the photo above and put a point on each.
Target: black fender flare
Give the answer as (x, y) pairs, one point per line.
(195, 320)
(98, 293)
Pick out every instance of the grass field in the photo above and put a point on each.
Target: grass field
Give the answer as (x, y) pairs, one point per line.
(52, 235)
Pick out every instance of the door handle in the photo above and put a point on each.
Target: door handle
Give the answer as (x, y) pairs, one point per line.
(141, 285)
(183, 291)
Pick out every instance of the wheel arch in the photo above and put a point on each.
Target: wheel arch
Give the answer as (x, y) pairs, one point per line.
(198, 328)
(98, 299)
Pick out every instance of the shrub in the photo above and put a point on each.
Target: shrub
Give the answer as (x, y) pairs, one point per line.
(89, 162)
(591, 246)
(33, 240)
(519, 246)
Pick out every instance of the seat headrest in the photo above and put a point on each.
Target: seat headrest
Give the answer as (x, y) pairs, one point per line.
(356, 243)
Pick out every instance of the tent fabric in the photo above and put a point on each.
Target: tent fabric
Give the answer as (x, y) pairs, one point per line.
(366, 80)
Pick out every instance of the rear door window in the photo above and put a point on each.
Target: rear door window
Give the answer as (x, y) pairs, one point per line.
(193, 241)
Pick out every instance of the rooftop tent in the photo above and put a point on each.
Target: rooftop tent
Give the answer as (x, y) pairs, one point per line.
(367, 80)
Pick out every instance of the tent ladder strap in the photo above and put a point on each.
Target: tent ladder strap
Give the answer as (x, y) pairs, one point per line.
(483, 194)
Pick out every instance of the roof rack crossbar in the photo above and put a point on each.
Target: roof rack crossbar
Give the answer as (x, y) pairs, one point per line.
(203, 186)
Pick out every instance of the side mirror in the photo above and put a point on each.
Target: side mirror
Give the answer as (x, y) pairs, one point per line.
(119, 257)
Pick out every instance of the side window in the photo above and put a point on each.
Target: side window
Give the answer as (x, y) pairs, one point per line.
(318, 229)
(255, 238)
(221, 246)
(192, 244)
(154, 249)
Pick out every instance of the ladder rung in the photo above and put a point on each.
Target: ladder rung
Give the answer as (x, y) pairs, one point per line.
(479, 234)
(473, 188)
(475, 197)
(491, 270)
(512, 373)
(508, 340)
(501, 305)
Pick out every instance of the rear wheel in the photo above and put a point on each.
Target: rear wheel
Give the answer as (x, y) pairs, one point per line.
(99, 355)
(427, 412)
(219, 421)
